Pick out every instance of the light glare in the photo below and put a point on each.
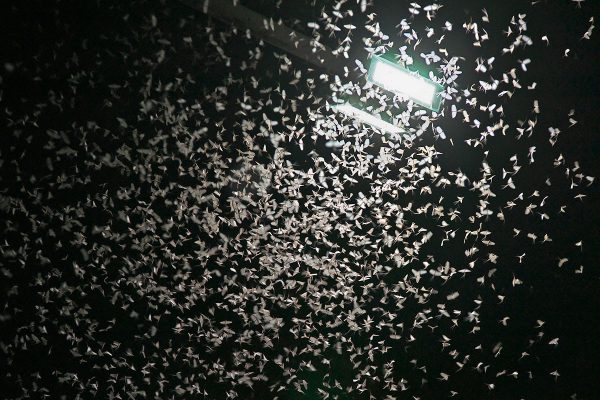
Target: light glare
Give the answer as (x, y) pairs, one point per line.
(402, 82)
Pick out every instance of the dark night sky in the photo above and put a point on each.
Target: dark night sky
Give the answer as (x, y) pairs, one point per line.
(162, 238)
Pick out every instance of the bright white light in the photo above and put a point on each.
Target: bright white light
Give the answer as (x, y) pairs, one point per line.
(365, 117)
(402, 82)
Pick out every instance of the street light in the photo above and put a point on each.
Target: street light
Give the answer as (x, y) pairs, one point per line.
(393, 77)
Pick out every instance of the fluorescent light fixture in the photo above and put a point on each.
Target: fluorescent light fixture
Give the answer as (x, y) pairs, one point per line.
(395, 78)
(363, 116)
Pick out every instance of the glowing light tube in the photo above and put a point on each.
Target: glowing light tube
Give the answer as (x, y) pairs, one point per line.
(363, 116)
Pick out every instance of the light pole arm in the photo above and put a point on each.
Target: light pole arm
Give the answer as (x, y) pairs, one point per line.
(280, 36)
